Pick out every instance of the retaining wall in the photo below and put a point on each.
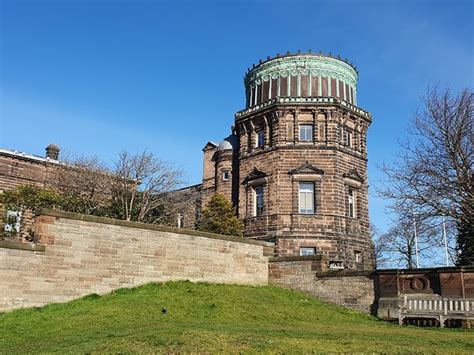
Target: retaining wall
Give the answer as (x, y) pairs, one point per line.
(352, 289)
(78, 255)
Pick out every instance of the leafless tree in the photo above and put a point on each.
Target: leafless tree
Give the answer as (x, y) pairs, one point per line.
(398, 247)
(433, 174)
(381, 258)
(84, 184)
(142, 186)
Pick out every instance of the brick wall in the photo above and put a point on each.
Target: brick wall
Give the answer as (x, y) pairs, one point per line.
(85, 254)
(17, 170)
(332, 166)
(352, 289)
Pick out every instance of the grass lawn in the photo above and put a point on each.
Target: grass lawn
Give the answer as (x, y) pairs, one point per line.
(189, 317)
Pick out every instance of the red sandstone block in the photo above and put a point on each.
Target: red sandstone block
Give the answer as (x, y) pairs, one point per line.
(46, 239)
(45, 219)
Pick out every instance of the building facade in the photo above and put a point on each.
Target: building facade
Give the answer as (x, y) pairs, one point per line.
(295, 165)
(17, 169)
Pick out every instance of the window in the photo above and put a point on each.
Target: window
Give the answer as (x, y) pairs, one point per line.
(351, 203)
(13, 222)
(357, 256)
(305, 251)
(260, 138)
(306, 198)
(259, 201)
(347, 138)
(306, 133)
(180, 222)
(225, 175)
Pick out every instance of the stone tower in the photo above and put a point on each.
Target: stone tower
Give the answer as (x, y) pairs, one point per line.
(302, 160)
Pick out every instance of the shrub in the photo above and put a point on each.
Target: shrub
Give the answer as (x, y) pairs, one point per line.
(220, 217)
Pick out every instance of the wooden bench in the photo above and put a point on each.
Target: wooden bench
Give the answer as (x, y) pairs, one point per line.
(440, 309)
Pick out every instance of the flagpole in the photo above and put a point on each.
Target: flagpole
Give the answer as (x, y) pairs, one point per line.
(445, 242)
(416, 241)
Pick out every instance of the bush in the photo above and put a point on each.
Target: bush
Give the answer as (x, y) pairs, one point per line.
(220, 217)
(30, 197)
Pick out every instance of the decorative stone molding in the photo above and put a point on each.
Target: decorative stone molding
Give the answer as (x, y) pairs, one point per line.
(353, 174)
(302, 64)
(256, 176)
(302, 75)
(306, 168)
(304, 101)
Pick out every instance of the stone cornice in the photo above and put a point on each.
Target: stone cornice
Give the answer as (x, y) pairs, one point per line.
(321, 146)
(303, 101)
(7, 244)
(302, 64)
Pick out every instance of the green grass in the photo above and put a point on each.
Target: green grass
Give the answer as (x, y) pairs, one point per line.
(212, 318)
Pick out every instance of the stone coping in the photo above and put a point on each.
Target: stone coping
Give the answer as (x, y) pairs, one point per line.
(298, 258)
(138, 225)
(8, 244)
(345, 272)
(425, 270)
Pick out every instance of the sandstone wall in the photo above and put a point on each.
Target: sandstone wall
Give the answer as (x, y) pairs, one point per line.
(77, 255)
(352, 289)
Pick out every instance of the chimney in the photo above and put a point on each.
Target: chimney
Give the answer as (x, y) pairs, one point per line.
(52, 152)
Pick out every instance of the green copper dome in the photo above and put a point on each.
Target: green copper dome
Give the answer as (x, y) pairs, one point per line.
(301, 75)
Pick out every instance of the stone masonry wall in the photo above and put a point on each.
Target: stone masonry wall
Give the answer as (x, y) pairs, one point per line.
(309, 274)
(84, 255)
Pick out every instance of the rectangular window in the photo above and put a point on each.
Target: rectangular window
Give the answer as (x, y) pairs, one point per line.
(306, 133)
(258, 94)
(358, 256)
(225, 175)
(294, 86)
(347, 138)
(265, 90)
(305, 251)
(13, 222)
(180, 222)
(260, 138)
(284, 86)
(351, 203)
(306, 198)
(259, 201)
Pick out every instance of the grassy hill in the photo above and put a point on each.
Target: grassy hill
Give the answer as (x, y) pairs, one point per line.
(184, 316)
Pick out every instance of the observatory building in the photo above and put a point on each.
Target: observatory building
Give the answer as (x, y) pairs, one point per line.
(295, 166)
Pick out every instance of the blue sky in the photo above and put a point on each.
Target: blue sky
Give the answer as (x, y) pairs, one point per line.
(97, 77)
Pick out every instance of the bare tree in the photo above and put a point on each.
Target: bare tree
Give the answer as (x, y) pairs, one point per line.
(434, 172)
(85, 185)
(381, 258)
(399, 246)
(142, 186)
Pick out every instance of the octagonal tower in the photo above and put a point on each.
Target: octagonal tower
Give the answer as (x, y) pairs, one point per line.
(302, 159)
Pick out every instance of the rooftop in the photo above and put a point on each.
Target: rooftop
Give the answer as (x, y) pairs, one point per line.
(23, 155)
(300, 53)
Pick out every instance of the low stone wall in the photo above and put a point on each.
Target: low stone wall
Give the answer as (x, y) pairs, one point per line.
(77, 255)
(352, 289)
